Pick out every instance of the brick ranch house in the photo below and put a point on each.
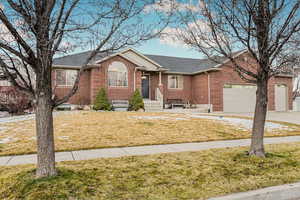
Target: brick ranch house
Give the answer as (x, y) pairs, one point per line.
(200, 82)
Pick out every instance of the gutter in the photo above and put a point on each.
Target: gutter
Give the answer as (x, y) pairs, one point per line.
(209, 92)
(195, 73)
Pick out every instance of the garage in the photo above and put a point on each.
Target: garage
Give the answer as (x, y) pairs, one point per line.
(296, 104)
(239, 98)
(281, 100)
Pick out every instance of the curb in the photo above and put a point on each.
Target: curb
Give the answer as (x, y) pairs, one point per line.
(282, 192)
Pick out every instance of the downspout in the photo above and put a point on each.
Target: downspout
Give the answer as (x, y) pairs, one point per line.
(160, 83)
(209, 98)
(134, 81)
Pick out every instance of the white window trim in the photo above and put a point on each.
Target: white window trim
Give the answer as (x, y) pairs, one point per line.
(177, 88)
(66, 70)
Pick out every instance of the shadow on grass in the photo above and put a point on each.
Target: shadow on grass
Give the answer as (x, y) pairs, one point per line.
(1, 147)
(67, 184)
(186, 175)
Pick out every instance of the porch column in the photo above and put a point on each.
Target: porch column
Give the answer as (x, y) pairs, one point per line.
(160, 79)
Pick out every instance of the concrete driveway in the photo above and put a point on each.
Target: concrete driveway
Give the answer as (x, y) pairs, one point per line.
(291, 117)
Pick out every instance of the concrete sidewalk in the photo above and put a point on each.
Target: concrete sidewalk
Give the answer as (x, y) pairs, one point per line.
(140, 150)
(290, 117)
(281, 192)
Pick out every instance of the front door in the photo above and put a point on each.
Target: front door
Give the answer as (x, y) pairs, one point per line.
(145, 87)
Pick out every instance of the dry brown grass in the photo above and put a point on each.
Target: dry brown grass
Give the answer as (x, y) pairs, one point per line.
(88, 130)
(186, 175)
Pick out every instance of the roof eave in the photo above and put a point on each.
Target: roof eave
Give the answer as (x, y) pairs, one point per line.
(206, 70)
(65, 67)
(193, 73)
(228, 60)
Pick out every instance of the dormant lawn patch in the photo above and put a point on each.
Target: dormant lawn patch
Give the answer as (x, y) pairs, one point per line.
(88, 130)
(189, 175)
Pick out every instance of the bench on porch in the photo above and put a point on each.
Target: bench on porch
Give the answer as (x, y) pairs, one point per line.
(177, 103)
(120, 104)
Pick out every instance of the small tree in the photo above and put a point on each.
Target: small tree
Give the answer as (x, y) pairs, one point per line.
(101, 101)
(136, 101)
(14, 101)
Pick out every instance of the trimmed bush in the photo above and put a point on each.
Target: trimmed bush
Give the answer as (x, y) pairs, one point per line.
(101, 101)
(136, 101)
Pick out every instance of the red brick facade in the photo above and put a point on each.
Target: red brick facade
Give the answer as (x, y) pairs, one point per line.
(203, 88)
(99, 80)
(82, 97)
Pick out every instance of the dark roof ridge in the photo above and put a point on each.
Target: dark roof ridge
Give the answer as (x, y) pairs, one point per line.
(174, 56)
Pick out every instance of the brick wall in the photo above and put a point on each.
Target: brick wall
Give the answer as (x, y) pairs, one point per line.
(82, 96)
(154, 81)
(185, 93)
(99, 80)
(200, 89)
(228, 76)
(195, 88)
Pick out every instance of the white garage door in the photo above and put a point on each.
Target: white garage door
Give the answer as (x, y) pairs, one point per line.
(239, 98)
(280, 97)
(296, 105)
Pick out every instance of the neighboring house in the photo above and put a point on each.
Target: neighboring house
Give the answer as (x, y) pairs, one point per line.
(296, 95)
(200, 82)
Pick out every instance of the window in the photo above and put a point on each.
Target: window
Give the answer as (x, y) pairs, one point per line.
(5, 83)
(65, 77)
(117, 75)
(175, 82)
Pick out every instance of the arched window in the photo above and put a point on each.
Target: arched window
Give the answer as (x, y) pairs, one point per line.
(117, 75)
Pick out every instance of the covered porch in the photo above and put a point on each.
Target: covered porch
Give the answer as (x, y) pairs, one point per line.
(152, 90)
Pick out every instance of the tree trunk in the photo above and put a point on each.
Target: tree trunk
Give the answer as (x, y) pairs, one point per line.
(45, 137)
(258, 129)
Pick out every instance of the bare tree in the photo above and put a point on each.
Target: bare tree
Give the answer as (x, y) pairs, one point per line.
(34, 31)
(264, 28)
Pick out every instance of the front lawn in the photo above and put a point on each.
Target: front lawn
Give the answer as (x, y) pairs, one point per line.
(88, 130)
(188, 175)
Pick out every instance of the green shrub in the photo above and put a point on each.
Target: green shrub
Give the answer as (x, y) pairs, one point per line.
(101, 101)
(136, 101)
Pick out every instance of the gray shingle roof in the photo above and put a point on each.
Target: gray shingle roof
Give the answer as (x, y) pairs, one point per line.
(78, 59)
(173, 64)
(184, 65)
